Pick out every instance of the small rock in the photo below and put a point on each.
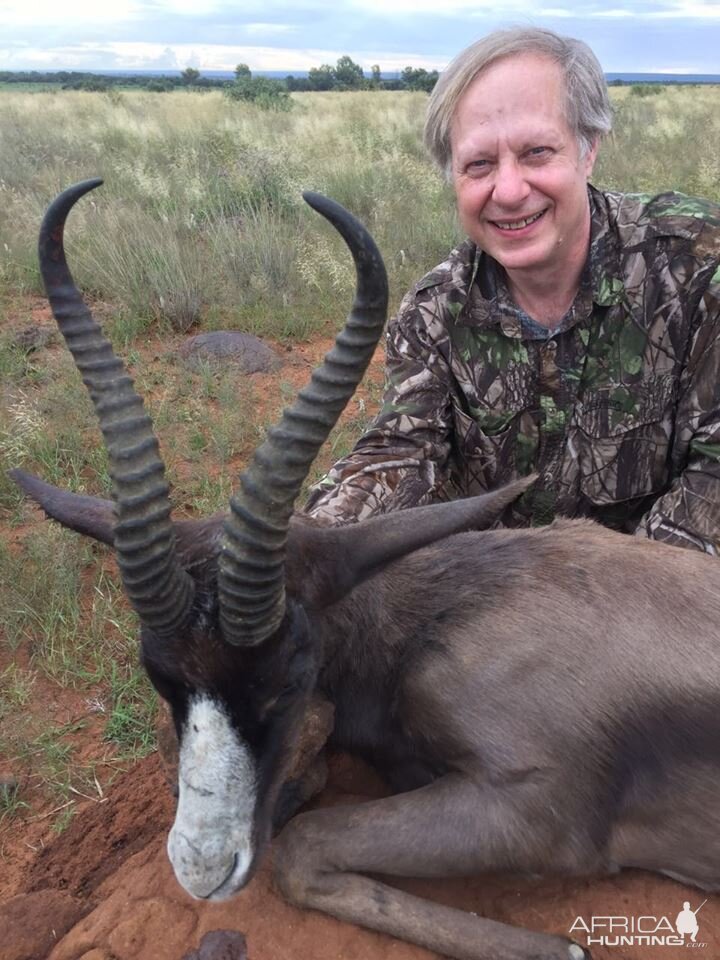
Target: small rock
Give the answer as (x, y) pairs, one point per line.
(249, 353)
(220, 945)
(33, 337)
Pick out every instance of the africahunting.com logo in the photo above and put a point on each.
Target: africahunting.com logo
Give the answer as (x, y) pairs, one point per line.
(645, 931)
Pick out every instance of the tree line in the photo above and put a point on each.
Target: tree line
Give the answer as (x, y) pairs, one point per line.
(345, 75)
(348, 75)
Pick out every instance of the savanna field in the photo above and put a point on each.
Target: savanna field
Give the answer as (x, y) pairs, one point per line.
(200, 226)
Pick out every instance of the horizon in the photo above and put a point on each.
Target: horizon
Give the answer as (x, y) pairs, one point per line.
(280, 73)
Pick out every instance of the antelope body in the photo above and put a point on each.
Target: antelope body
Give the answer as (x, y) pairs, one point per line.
(540, 700)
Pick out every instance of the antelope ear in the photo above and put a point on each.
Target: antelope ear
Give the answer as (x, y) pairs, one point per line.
(325, 563)
(94, 517)
(90, 516)
(197, 540)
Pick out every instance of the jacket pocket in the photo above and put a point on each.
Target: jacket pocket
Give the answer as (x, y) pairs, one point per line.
(486, 448)
(622, 440)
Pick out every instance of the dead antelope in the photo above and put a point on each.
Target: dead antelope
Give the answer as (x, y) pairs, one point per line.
(540, 700)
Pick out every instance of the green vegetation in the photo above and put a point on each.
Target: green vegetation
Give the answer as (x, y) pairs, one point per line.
(646, 89)
(11, 804)
(35, 80)
(190, 76)
(265, 93)
(61, 611)
(201, 219)
(131, 717)
(345, 75)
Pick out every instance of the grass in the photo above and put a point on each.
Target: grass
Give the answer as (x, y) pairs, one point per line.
(201, 213)
(39, 591)
(201, 221)
(131, 717)
(15, 689)
(66, 614)
(14, 361)
(201, 225)
(664, 141)
(11, 803)
(52, 754)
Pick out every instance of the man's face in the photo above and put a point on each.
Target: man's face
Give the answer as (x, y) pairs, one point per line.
(519, 179)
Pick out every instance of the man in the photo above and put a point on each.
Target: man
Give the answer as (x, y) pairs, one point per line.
(575, 334)
(686, 921)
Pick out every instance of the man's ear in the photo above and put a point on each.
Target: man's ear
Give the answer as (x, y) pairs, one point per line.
(590, 157)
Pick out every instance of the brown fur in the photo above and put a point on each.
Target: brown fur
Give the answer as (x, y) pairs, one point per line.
(560, 691)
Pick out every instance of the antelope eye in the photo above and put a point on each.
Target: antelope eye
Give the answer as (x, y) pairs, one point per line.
(289, 692)
(269, 705)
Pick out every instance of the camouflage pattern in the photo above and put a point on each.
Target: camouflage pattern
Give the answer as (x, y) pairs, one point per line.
(617, 409)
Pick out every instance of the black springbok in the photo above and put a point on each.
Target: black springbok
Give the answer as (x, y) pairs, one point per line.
(540, 700)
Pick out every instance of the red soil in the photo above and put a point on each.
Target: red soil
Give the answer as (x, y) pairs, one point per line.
(104, 890)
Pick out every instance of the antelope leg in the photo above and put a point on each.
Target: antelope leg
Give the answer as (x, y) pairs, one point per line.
(440, 830)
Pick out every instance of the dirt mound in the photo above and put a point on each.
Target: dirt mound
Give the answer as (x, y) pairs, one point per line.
(32, 923)
(96, 843)
(112, 860)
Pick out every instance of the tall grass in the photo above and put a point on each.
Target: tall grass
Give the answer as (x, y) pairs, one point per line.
(667, 141)
(201, 214)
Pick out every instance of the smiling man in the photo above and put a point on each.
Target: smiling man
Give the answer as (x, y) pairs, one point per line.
(575, 333)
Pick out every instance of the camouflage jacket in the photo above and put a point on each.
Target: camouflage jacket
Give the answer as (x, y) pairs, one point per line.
(617, 409)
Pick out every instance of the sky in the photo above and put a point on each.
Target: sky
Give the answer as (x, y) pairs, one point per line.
(666, 36)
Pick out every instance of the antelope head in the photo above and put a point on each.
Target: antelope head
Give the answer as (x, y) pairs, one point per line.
(221, 639)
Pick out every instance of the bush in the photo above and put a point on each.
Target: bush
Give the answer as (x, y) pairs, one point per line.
(159, 86)
(94, 85)
(419, 79)
(265, 93)
(646, 89)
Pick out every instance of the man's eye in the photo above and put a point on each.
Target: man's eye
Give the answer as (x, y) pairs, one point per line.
(477, 166)
(538, 151)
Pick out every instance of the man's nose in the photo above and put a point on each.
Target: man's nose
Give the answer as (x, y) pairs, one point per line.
(510, 188)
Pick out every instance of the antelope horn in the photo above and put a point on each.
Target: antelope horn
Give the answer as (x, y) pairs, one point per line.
(251, 580)
(159, 589)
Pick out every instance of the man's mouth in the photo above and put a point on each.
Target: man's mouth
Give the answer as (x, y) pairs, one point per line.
(517, 224)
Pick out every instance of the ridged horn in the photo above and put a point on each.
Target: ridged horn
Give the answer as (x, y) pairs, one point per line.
(252, 576)
(158, 588)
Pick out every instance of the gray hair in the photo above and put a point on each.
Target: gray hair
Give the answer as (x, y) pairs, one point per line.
(589, 113)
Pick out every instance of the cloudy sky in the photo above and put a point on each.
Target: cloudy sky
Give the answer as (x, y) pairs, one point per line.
(678, 36)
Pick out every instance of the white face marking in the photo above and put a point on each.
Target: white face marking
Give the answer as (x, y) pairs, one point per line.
(210, 844)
